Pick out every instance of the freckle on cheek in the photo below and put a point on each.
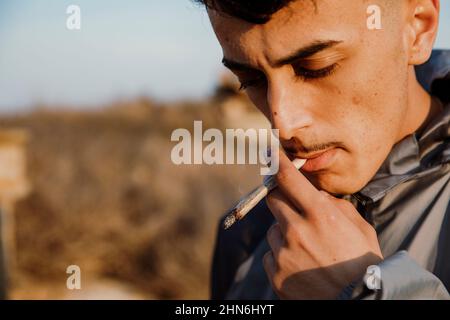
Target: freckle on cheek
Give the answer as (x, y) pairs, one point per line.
(356, 100)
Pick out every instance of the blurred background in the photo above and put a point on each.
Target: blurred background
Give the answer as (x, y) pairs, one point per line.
(85, 172)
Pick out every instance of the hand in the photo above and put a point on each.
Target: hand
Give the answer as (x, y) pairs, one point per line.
(319, 244)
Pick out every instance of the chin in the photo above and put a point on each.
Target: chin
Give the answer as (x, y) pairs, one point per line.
(336, 184)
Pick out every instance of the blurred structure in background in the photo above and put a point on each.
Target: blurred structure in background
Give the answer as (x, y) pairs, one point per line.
(235, 106)
(13, 186)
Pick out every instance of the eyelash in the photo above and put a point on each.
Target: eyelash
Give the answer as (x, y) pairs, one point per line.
(302, 73)
(307, 74)
(252, 83)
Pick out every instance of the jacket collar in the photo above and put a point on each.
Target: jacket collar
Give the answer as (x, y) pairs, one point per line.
(417, 154)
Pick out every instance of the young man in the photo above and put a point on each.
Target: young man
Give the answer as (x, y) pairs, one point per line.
(344, 94)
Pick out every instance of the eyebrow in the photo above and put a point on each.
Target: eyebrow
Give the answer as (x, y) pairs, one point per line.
(301, 53)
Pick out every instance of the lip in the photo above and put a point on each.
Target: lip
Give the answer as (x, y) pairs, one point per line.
(320, 161)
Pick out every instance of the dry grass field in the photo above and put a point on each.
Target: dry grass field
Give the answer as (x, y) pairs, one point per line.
(106, 196)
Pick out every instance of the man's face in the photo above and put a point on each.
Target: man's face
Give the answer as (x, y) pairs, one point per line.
(326, 82)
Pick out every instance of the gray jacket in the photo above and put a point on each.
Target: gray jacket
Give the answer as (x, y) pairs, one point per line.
(407, 202)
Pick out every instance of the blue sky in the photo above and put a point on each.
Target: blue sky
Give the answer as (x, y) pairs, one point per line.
(161, 49)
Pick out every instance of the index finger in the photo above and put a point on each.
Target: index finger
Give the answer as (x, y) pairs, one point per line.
(283, 211)
(303, 195)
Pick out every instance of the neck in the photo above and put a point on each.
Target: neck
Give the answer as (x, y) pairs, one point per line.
(419, 109)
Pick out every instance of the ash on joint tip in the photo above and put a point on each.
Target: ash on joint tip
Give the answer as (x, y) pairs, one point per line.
(229, 221)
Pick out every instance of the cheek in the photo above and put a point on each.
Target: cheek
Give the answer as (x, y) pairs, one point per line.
(366, 118)
(373, 125)
(375, 107)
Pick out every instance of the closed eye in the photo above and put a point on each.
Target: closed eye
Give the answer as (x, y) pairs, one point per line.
(253, 83)
(301, 72)
(310, 74)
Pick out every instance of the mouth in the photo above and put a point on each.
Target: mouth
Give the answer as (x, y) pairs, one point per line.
(318, 161)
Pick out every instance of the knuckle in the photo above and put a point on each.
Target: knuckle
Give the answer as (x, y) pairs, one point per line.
(283, 256)
(320, 212)
(293, 236)
(291, 232)
(324, 221)
(270, 199)
(347, 205)
(265, 256)
(370, 231)
(326, 197)
(277, 282)
(324, 202)
(266, 259)
(344, 203)
(282, 177)
(331, 217)
(270, 233)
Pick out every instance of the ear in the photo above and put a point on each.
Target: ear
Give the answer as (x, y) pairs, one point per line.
(423, 24)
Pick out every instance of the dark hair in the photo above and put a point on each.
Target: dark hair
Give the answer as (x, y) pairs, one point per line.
(254, 11)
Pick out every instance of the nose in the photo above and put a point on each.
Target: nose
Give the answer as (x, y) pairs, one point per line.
(288, 109)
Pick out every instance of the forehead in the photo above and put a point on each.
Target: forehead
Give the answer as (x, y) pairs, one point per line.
(299, 23)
